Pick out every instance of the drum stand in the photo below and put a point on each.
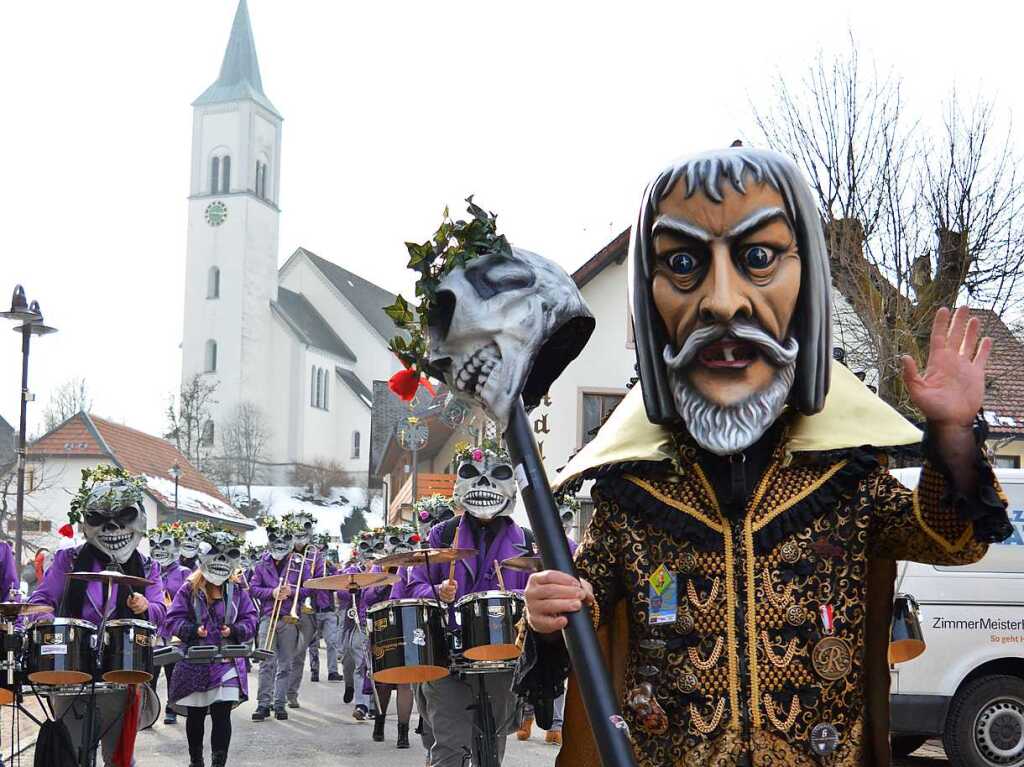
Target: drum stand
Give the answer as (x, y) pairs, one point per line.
(485, 737)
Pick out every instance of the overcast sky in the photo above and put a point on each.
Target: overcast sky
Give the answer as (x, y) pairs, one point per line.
(553, 113)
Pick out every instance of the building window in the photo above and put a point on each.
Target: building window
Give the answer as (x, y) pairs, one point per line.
(207, 438)
(312, 386)
(30, 479)
(214, 175)
(213, 283)
(1007, 462)
(596, 409)
(261, 180)
(35, 525)
(355, 444)
(318, 388)
(225, 174)
(211, 356)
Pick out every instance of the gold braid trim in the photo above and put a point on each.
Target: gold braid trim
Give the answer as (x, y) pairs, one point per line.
(794, 500)
(691, 592)
(730, 617)
(748, 553)
(712, 659)
(704, 728)
(595, 614)
(770, 712)
(779, 601)
(769, 650)
(673, 503)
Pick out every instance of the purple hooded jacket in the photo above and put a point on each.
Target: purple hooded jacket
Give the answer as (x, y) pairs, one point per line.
(181, 622)
(266, 575)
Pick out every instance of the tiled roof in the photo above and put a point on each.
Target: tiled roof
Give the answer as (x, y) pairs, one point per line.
(612, 253)
(1004, 396)
(368, 299)
(74, 437)
(309, 325)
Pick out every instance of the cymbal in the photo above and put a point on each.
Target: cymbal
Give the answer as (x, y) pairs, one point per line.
(14, 609)
(523, 564)
(421, 556)
(350, 581)
(112, 576)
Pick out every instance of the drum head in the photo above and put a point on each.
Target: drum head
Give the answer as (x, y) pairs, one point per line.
(127, 677)
(410, 674)
(6, 696)
(493, 652)
(59, 677)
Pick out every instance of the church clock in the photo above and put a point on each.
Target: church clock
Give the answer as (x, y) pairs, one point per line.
(216, 213)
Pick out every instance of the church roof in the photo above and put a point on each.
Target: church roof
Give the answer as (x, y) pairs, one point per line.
(368, 299)
(240, 71)
(309, 325)
(357, 386)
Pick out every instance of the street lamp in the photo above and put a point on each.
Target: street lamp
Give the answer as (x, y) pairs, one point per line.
(31, 319)
(175, 472)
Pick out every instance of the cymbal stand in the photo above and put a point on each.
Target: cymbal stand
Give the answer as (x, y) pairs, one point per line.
(484, 735)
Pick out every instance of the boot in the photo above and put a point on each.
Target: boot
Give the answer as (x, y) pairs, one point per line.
(293, 701)
(170, 716)
(350, 693)
(220, 759)
(554, 737)
(359, 713)
(378, 729)
(523, 733)
(280, 714)
(314, 676)
(419, 726)
(260, 714)
(334, 676)
(403, 736)
(195, 760)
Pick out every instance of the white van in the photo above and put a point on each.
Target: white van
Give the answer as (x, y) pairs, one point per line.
(968, 686)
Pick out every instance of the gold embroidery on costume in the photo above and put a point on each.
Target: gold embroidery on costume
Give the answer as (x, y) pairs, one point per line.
(769, 650)
(773, 717)
(698, 721)
(691, 592)
(712, 659)
(780, 601)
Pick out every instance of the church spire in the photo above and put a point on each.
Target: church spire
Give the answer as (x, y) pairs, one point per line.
(240, 72)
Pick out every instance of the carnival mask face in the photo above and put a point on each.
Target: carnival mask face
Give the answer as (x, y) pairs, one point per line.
(279, 544)
(190, 542)
(726, 282)
(164, 549)
(401, 541)
(304, 534)
(485, 488)
(371, 545)
(435, 515)
(492, 321)
(219, 559)
(115, 532)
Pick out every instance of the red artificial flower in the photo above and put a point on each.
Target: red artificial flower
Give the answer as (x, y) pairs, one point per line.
(404, 384)
(67, 531)
(414, 538)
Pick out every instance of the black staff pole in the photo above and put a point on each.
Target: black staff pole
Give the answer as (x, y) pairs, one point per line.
(598, 694)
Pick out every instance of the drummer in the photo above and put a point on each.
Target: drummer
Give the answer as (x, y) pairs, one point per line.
(211, 609)
(485, 491)
(109, 511)
(164, 548)
(352, 637)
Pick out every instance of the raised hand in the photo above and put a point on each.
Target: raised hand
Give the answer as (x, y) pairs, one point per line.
(951, 389)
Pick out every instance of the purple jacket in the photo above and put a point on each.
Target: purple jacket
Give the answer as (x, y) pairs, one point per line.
(181, 621)
(51, 590)
(173, 576)
(322, 598)
(266, 575)
(345, 599)
(476, 574)
(8, 572)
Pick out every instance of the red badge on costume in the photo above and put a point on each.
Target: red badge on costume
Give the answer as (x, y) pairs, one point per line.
(825, 611)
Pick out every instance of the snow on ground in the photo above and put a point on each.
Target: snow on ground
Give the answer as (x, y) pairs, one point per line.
(194, 501)
(330, 513)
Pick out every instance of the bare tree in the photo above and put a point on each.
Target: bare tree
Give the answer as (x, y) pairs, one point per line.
(913, 221)
(40, 477)
(190, 425)
(320, 477)
(66, 400)
(244, 441)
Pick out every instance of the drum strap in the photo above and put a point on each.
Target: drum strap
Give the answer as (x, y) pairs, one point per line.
(229, 606)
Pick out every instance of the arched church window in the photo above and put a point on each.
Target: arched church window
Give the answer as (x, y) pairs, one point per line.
(225, 173)
(355, 444)
(327, 387)
(211, 356)
(213, 283)
(319, 387)
(263, 182)
(312, 386)
(214, 175)
(207, 438)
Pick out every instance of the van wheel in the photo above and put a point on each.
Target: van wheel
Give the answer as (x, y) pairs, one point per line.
(985, 725)
(905, 745)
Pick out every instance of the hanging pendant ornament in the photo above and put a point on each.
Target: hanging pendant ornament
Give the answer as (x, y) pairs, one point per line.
(827, 622)
(824, 739)
(647, 712)
(832, 658)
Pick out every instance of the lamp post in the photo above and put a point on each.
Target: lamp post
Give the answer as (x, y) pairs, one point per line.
(175, 471)
(31, 319)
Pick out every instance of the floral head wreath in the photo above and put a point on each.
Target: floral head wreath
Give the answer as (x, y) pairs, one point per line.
(322, 540)
(251, 551)
(296, 518)
(221, 537)
(454, 244)
(198, 526)
(278, 525)
(106, 488)
(487, 449)
(174, 529)
(568, 501)
(433, 506)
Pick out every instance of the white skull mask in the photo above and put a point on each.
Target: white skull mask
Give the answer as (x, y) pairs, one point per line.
(163, 548)
(113, 528)
(219, 558)
(190, 542)
(304, 534)
(279, 544)
(506, 325)
(486, 488)
(402, 540)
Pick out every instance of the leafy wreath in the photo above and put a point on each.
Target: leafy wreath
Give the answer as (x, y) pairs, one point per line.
(222, 538)
(174, 529)
(125, 490)
(454, 244)
(278, 526)
(489, 448)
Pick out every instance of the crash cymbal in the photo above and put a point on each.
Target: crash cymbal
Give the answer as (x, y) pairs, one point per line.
(350, 581)
(14, 609)
(523, 564)
(112, 576)
(422, 556)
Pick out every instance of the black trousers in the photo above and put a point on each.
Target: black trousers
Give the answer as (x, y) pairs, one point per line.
(220, 734)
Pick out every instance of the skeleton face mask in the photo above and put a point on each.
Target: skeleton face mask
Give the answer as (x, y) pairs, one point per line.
(402, 540)
(304, 534)
(190, 543)
(219, 559)
(279, 544)
(111, 526)
(486, 488)
(371, 545)
(163, 549)
(506, 325)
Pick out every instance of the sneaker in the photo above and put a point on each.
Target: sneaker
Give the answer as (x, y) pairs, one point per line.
(359, 713)
(280, 714)
(293, 702)
(260, 714)
(334, 677)
(314, 676)
(170, 716)
(523, 733)
(350, 693)
(554, 737)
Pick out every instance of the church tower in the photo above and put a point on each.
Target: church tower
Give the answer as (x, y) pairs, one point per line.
(231, 273)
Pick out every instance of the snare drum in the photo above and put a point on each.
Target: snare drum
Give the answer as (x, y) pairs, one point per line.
(128, 651)
(61, 651)
(488, 621)
(407, 641)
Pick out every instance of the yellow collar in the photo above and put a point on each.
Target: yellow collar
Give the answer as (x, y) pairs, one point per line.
(853, 416)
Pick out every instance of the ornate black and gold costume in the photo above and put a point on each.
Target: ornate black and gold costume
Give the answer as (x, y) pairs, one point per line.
(765, 663)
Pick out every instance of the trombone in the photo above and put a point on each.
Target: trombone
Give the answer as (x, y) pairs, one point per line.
(275, 614)
(308, 555)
